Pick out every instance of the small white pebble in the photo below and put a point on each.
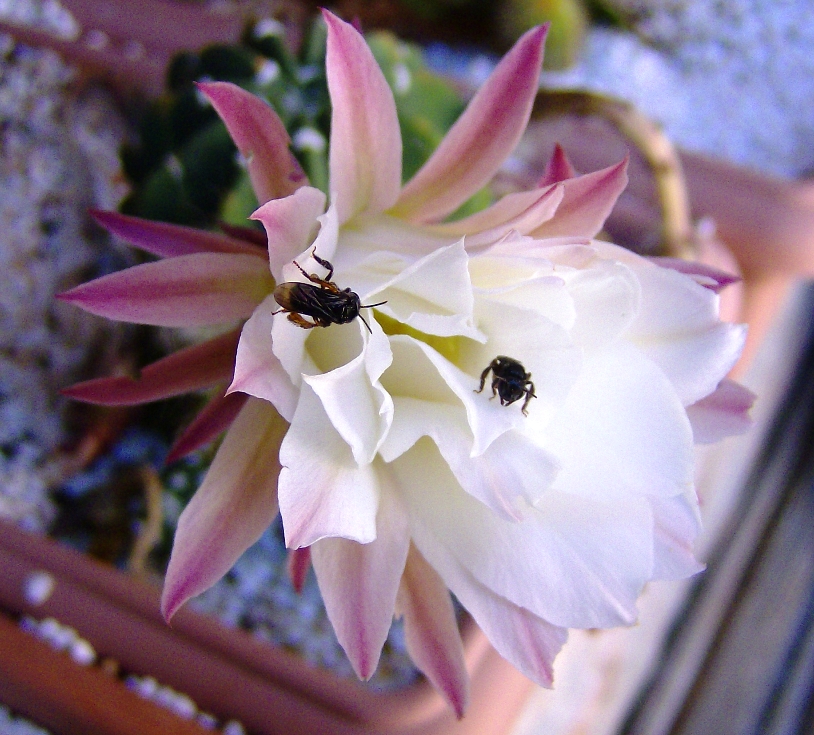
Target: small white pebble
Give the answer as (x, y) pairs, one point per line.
(165, 696)
(38, 587)
(268, 72)
(207, 721)
(403, 79)
(184, 707)
(82, 652)
(64, 637)
(269, 27)
(48, 629)
(309, 139)
(147, 687)
(233, 727)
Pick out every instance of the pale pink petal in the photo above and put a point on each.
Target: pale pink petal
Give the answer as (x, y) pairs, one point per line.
(365, 146)
(431, 630)
(724, 412)
(506, 209)
(704, 275)
(323, 492)
(557, 169)
(235, 504)
(586, 203)
(297, 565)
(211, 422)
(261, 138)
(520, 221)
(676, 525)
(524, 639)
(257, 371)
(168, 241)
(485, 134)
(359, 583)
(190, 290)
(189, 369)
(291, 224)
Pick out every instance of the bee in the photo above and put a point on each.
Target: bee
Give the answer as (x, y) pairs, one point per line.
(325, 302)
(510, 381)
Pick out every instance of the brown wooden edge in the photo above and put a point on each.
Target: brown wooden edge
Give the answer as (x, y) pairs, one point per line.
(229, 673)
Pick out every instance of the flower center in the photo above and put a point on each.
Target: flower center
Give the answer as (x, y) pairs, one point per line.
(449, 347)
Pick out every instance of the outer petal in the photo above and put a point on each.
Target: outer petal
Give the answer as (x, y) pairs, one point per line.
(431, 630)
(520, 211)
(365, 152)
(212, 421)
(676, 525)
(520, 636)
(168, 241)
(557, 169)
(187, 291)
(322, 490)
(572, 562)
(189, 369)
(291, 225)
(678, 328)
(298, 564)
(261, 138)
(234, 505)
(723, 413)
(476, 146)
(704, 275)
(542, 210)
(586, 204)
(257, 371)
(359, 582)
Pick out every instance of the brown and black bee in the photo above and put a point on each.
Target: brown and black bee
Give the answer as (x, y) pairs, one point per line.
(325, 303)
(510, 381)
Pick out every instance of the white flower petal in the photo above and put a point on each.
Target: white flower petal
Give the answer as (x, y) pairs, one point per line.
(676, 525)
(356, 404)
(621, 430)
(258, 372)
(433, 295)
(322, 491)
(571, 561)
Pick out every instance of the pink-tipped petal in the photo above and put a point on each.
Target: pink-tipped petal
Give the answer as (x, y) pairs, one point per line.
(705, 275)
(365, 151)
(297, 565)
(291, 224)
(189, 369)
(359, 583)
(210, 422)
(725, 412)
(557, 169)
(169, 241)
(190, 290)
(485, 134)
(586, 203)
(431, 630)
(261, 138)
(520, 211)
(235, 504)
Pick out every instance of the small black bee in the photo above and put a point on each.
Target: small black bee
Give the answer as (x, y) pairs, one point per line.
(510, 381)
(325, 303)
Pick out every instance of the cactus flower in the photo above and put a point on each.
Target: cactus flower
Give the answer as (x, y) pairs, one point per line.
(394, 447)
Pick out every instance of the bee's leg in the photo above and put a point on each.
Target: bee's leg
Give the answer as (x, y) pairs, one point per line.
(310, 276)
(297, 319)
(483, 379)
(529, 395)
(324, 263)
